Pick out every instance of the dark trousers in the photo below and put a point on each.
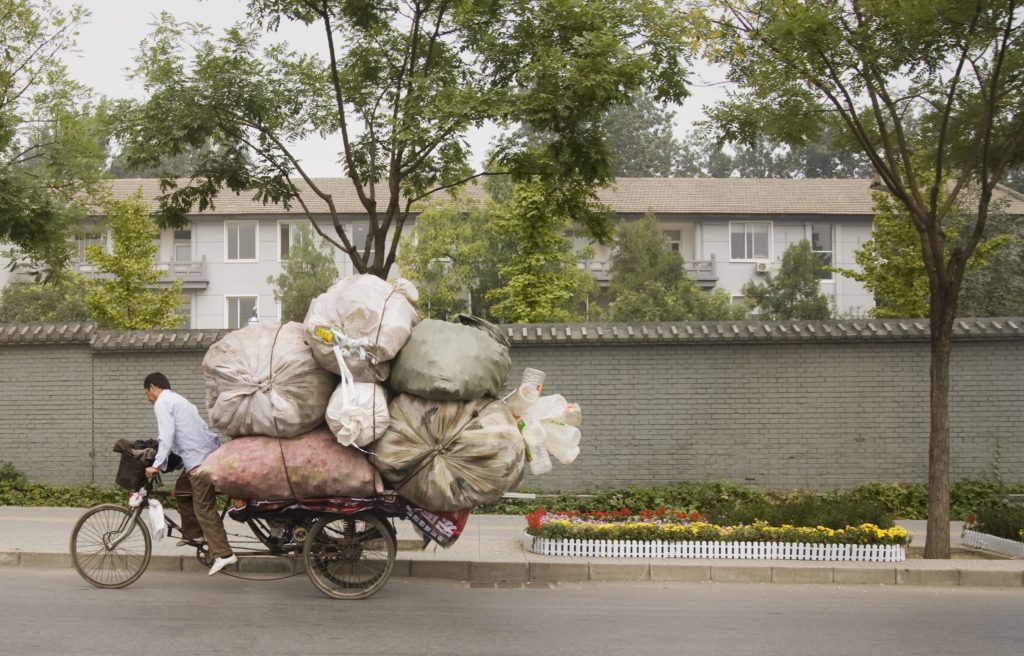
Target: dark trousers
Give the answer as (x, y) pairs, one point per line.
(197, 505)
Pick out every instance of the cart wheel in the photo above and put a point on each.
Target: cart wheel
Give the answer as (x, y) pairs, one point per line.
(108, 548)
(350, 557)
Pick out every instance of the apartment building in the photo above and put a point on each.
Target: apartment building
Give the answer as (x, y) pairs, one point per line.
(728, 230)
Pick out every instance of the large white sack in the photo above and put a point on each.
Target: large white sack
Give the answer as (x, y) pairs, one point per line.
(376, 317)
(263, 380)
(357, 413)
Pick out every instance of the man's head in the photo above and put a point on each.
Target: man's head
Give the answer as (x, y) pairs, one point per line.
(154, 384)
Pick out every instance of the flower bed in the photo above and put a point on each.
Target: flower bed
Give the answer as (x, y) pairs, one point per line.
(666, 534)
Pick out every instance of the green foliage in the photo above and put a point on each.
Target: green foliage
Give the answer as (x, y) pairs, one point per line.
(1001, 519)
(308, 272)
(52, 140)
(453, 254)
(60, 300)
(650, 283)
(15, 490)
(640, 138)
(701, 155)
(892, 266)
(995, 287)
(9, 475)
(795, 293)
(727, 503)
(542, 281)
(125, 296)
(399, 86)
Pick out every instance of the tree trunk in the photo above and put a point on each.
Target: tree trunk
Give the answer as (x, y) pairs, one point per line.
(937, 539)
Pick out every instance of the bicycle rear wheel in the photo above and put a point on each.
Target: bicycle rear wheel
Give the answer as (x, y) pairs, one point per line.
(350, 557)
(110, 547)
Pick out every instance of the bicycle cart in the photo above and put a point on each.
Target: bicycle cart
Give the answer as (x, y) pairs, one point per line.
(348, 545)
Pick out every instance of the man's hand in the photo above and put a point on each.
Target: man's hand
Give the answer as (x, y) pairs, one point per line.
(151, 472)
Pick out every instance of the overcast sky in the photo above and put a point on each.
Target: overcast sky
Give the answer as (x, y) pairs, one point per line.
(108, 43)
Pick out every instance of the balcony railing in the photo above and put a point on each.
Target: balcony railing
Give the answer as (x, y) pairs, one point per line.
(703, 271)
(193, 274)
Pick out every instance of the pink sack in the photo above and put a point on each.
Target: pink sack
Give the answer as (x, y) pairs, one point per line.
(305, 467)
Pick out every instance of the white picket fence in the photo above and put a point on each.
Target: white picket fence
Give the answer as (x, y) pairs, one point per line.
(1013, 548)
(879, 553)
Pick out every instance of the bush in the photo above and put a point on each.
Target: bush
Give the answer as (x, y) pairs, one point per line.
(728, 503)
(1002, 519)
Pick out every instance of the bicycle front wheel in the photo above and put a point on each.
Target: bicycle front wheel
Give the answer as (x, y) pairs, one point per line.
(110, 546)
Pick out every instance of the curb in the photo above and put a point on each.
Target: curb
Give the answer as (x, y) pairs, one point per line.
(933, 573)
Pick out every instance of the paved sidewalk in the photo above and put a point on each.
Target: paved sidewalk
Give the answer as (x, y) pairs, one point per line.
(490, 552)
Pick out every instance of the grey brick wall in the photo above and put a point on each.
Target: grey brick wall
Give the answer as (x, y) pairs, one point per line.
(822, 408)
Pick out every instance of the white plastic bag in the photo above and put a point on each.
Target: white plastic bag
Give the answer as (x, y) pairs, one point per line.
(157, 522)
(357, 413)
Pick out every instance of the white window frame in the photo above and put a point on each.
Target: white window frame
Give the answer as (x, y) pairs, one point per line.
(227, 309)
(831, 276)
(289, 222)
(227, 248)
(771, 236)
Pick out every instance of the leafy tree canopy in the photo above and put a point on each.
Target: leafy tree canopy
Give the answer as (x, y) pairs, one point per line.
(58, 301)
(399, 87)
(308, 272)
(650, 283)
(640, 139)
(542, 279)
(126, 295)
(870, 70)
(702, 155)
(891, 266)
(795, 293)
(52, 140)
(453, 254)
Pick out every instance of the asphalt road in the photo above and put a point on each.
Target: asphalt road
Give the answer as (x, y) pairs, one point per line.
(44, 612)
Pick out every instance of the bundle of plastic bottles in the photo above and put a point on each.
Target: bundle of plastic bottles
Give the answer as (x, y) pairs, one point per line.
(549, 424)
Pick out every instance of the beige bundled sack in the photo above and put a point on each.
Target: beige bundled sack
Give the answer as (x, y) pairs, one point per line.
(263, 380)
(374, 317)
(306, 467)
(450, 455)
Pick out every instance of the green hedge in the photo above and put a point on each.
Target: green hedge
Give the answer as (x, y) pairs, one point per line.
(723, 502)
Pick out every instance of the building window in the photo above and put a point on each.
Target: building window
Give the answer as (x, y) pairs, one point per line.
(289, 234)
(240, 310)
(240, 238)
(674, 238)
(87, 239)
(823, 245)
(750, 240)
(185, 310)
(182, 245)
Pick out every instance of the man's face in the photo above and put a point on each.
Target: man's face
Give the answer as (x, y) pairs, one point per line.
(152, 392)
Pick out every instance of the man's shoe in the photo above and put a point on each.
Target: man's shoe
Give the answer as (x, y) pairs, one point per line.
(191, 542)
(221, 563)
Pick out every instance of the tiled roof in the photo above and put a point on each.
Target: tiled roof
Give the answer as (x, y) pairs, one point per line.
(560, 334)
(110, 340)
(629, 195)
(757, 331)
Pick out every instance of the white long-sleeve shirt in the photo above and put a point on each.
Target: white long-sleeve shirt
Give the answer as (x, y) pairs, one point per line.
(182, 430)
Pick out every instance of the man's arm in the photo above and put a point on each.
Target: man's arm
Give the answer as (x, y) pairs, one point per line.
(164, 435)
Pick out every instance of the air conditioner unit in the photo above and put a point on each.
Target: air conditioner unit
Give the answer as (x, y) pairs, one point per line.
(764, 266)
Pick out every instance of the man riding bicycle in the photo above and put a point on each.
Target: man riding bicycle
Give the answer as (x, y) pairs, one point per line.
(181, 429)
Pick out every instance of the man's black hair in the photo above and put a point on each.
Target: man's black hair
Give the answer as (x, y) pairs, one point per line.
(158, 379)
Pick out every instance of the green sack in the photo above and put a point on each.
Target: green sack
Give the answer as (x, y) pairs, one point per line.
(445, 361)
(450, 455)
